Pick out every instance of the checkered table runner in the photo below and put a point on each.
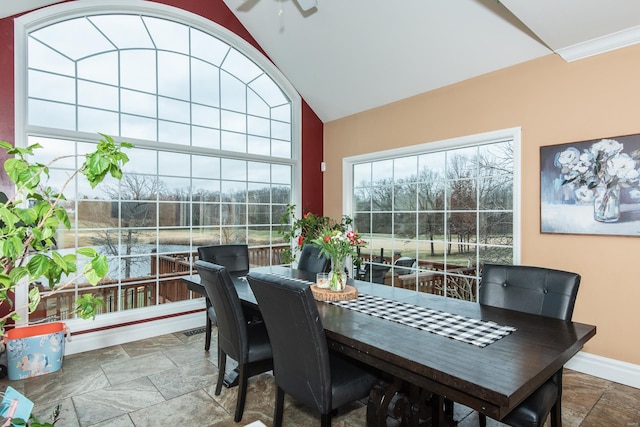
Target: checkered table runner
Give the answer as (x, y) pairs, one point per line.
(473, 331)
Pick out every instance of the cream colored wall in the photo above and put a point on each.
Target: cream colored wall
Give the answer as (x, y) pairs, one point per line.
(554, 102)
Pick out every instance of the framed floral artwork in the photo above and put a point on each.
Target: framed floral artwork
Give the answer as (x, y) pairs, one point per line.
(591, 187)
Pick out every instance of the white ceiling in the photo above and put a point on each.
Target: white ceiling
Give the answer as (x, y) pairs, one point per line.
(348, 56)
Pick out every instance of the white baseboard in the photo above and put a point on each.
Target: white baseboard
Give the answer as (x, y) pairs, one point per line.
(135, 332)
(603, 367)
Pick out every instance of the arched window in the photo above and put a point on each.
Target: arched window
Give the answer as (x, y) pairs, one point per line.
(215, 127)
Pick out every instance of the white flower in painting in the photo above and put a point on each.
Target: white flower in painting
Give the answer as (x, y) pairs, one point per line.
(567, 158)
(584, 164)
(606, 147)
(584, 194)
(622, 166)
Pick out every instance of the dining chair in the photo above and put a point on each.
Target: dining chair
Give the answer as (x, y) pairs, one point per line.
(541, 291)
(374, 272)
(245, 342)
(310, 259)
(403, 265)
(235, 257)
(303, 366)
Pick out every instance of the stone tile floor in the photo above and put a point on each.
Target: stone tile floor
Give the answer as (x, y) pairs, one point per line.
(170, 381)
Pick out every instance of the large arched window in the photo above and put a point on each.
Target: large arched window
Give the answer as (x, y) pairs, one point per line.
(215, 127)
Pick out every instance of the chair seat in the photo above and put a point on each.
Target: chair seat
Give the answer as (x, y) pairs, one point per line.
(259, 346)
(349, 382)
(535, 409)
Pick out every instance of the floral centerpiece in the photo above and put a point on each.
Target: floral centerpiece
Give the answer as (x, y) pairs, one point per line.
(338, 245)
(306, 229)
(597, 174)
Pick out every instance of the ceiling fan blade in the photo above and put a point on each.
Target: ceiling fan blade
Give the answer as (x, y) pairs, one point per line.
(307, 5)
(247, 5)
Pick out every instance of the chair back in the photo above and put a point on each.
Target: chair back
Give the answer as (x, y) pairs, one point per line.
(536, 290)
(403, 261)
(310, 259)
(300, 353)
(234, 257)
(232, 326)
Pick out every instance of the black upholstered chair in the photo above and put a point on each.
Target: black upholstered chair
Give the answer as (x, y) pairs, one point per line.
(246, 343)
(303, 366)
(542, 291)
(235, 258)
(310, 259)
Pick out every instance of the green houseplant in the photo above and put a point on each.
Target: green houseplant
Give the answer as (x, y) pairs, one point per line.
(30, 218)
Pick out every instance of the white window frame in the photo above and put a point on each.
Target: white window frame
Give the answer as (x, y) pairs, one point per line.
(513, 134)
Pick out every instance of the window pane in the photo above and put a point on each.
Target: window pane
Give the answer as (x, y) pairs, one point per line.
(173, 75)
(93, 120)
(204, 83)
(240, 66)
(168, 35)
(51, 87)
(233, 93)
(52, 114)
(42, 57)
(101, 68)
(207, 48)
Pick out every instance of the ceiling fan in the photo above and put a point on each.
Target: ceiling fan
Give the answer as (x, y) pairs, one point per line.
(304, 5)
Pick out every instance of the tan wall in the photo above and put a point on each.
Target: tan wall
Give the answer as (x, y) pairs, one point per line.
(554, 102)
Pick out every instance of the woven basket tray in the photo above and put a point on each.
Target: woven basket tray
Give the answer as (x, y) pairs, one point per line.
(322, 294)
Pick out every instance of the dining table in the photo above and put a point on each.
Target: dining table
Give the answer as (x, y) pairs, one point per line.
(425, 367)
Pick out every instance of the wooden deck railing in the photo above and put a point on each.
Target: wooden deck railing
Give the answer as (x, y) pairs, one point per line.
(163, 285)
(459, 283)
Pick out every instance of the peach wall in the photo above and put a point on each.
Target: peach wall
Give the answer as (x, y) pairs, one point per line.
(554, 102)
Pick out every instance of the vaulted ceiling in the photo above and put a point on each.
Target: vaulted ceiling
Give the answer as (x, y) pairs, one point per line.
(348, 56)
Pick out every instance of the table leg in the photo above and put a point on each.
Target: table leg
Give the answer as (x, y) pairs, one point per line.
(402, 404)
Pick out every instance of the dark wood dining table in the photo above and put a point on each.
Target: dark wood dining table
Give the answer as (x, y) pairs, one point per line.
(492, 379)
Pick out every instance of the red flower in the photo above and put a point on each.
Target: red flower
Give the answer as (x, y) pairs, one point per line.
(300, 240)
(327, 238)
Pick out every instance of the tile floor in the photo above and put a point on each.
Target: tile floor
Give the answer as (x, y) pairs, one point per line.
(170, 381)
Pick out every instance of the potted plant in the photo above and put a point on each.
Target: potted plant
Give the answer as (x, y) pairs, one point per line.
(28, 223)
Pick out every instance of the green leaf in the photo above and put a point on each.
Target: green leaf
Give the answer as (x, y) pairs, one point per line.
(100, 265)
(60, 262)
(86, 306)
(38, 265)
(34, 298)
(18, 274)
(88, 252)
(28, 216)
(12, 247)
(8, 217)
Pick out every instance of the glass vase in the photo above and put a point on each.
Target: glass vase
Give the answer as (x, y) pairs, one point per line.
(337, 275)
(606, 204)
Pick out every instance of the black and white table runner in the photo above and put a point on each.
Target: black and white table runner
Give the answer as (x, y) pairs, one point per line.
(480, 333)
